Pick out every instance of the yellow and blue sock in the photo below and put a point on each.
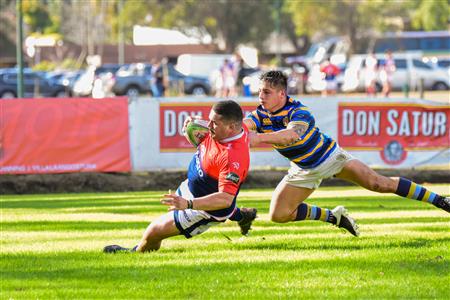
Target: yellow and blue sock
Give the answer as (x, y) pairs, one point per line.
(311, 212)
(408, 189)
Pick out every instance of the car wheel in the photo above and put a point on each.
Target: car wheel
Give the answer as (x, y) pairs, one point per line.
(132, 91)
(61, 94)
(7, 95)
(440, 86)
(199, 91)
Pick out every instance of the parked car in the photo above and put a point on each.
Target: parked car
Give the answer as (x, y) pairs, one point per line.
(130, 80)
(34, 84)
(410, 71)
(84, 84)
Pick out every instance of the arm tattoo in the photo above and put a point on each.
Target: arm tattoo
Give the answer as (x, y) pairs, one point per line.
(300, 129)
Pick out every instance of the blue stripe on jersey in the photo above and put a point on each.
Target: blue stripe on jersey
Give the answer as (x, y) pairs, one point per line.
(200, 184)
(295, 111)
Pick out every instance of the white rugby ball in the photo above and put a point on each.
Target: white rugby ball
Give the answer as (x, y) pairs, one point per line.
(196, 131)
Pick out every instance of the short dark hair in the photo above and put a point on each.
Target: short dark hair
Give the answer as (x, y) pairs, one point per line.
(276, 79)
(229, 110)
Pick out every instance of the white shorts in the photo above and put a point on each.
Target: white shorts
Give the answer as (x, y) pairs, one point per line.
(311, 178)
(191, 222)
(331, 85)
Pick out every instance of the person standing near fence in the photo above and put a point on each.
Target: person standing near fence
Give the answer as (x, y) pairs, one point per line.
(387, 72)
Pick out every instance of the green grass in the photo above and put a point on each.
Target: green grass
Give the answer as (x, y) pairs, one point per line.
(51, 249)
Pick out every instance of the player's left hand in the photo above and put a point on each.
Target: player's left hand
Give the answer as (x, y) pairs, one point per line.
(174, 202)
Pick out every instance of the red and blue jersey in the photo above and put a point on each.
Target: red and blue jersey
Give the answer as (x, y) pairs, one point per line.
(220, 166)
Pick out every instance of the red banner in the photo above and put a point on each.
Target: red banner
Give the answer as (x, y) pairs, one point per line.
(393, 128)
(64, 135)
(171, 119)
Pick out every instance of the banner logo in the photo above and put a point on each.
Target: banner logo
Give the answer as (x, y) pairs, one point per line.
(393, 129)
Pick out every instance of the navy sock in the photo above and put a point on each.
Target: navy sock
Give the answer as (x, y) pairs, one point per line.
(412, 190)
(311, 212)
(236, 216)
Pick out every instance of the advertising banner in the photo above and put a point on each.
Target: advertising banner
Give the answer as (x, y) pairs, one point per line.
(64, 135)
(172, 117)
(394, 130)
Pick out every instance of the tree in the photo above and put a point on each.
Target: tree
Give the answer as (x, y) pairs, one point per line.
(352, 18)
(232, 21)
(431, 15)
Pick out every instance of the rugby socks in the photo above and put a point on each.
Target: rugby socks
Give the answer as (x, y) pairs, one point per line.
(311, 212)
(408, 189)
(236, 216)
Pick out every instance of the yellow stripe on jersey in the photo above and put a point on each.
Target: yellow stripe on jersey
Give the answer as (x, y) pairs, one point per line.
(281, 113)
(299, 159)
(330, 147)
(261, 112)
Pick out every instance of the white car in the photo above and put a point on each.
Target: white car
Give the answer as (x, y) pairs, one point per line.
(410, 70)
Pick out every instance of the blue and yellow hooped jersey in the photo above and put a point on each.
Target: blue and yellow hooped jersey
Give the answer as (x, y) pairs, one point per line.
(311, 149)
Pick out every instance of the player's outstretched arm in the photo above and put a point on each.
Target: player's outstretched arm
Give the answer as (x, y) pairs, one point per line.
(213, 201)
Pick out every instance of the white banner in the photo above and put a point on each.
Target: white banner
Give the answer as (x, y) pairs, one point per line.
(400, 133)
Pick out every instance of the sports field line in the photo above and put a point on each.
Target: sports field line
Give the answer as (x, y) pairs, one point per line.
(443, 189)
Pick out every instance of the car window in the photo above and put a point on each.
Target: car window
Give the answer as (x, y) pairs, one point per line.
(400, 63)
(421, 65)
(11, 78)
(443, 63)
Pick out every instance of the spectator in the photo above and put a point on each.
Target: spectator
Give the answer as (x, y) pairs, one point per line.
(330, 72)
(387, 72)
(371, 66)
(228, 79)
(157, 79)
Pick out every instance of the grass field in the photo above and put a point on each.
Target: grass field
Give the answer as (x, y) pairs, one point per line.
(51, 247)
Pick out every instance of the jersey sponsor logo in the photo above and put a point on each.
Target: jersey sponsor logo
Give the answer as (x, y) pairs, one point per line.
(233, 177)
(198, 165)
(266, 121)
(235, 165)
(285, 121)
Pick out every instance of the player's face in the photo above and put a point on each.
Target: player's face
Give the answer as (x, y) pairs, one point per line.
(271, 98)
(219, 129)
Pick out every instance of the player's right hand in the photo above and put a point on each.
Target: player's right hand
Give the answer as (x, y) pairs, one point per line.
(189, 120)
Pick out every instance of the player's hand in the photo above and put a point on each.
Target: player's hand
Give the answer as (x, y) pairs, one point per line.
(174, 202)
(187, 121)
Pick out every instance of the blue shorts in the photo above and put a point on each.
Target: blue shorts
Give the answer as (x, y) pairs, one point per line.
(191, 222)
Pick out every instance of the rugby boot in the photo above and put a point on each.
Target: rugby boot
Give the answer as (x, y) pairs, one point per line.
(115, 249)
(248, 216)
(343, 220)
(444, 203)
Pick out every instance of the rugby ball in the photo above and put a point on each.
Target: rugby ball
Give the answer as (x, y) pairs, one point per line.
(196, 131)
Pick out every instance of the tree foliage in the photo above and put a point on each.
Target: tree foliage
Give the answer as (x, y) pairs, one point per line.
(228, 22)
(431, 15)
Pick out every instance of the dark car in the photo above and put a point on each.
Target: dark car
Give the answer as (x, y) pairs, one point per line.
(130, 80)
(34, 84)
